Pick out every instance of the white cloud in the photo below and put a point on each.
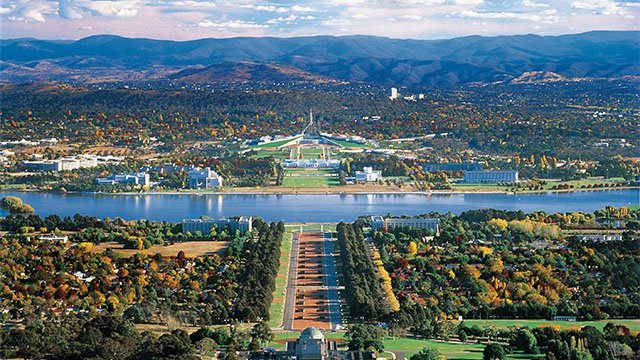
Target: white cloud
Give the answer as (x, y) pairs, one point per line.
(467, 2)
(606, 7)
(29, 11)
(529, 3)
(547, 16)
(232, 24)
(298, 8)
(268, 8)
(281, 19)
(337, 22)
(412, 17)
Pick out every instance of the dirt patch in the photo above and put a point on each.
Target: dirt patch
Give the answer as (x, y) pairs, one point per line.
(311, 302)
(190, 248)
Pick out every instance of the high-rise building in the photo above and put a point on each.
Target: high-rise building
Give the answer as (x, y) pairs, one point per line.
(394, 93)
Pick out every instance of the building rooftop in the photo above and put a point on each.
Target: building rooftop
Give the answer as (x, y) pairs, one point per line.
(311, 333)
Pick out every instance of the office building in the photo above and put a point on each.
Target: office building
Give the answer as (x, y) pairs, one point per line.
(141, 178)
(598, 237)
(378, 222)
(204, 179)
(310, 163)
(394, 94)
(491, 176)
(468, 166)
(242, 223)
(42, 165)
(368, 175)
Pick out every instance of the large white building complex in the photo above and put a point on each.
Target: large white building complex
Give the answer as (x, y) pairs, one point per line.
(379, 222)
(310, 163)
(141, 178)
(69, 162)
(204, 179)
(368, 175)
(242, 223)
(491, 176)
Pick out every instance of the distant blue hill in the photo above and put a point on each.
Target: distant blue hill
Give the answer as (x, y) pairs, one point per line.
(597, 54)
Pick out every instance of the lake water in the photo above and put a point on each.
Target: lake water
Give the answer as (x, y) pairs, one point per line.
(310, 208)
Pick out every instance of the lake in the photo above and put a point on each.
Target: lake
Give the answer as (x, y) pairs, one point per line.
(310, 208)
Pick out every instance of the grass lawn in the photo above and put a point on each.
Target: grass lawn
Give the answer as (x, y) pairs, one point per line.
(310, 178)
(278, 154)
(298, 172)
(352, 145)
(270, 145)
(277, 305)
(632, 324)
(310, 181)
(451, 350)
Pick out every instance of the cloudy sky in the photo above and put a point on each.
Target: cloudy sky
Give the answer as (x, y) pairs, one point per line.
(420, 19)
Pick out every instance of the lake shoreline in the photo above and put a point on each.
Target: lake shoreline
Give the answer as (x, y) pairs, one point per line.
(322, 191)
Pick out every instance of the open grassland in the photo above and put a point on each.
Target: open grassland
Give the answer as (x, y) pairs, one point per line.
(190, 248)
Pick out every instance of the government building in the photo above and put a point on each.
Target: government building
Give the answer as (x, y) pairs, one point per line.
(491, 176)
(311, 345)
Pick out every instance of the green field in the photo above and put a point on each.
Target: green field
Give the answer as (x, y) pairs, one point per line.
(277, 306)
(301, 178)
(352, 145)
(451, 350)
(270, 145)
(277, 154)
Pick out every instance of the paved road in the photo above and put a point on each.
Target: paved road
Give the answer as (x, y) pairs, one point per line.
(290, 298)
(331, 281)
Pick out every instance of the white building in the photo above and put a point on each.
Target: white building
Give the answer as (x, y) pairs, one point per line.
(141, 178)
(368, 175)
(491, 176)
(68, 162)
(204, 179)
(54, 237)
(242, 223)
(42, 165)
(310, 163)
(599, 237)
(378, 222)
(394, 93)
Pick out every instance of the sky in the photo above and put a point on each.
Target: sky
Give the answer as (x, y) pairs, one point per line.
(418, 19)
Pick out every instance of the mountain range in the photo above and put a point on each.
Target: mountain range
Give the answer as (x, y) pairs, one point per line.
(367, 59)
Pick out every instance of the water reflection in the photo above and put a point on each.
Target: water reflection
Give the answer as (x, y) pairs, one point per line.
(299, 208)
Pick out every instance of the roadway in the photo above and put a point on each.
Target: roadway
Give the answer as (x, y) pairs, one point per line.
(331, 281)
(290, 297)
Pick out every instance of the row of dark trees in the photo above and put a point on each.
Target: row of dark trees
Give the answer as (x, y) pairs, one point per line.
(260, 276)
(364, 296)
